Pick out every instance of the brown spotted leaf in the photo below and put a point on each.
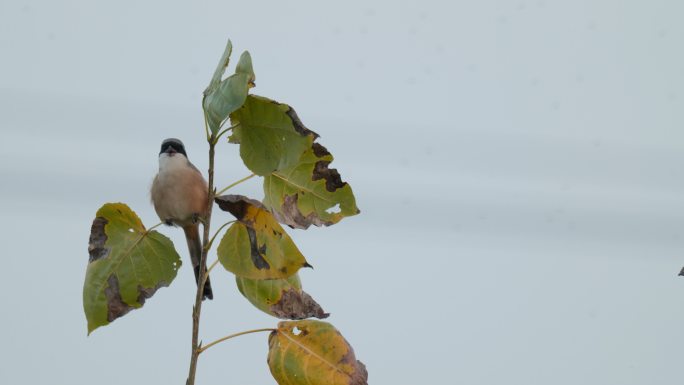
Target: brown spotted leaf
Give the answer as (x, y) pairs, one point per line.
(270, 135)
(282, 298)
(313, 353)
(309, 192)
(127, 265)
(256, 246)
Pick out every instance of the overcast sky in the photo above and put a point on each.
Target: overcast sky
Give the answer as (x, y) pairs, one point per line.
(518, 165)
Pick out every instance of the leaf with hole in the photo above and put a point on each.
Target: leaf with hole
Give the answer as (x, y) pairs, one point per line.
(313, 353)
(309, 192)
(282, 298)
(127, 265)
(256, 246)
(222, 97)
(270, 135)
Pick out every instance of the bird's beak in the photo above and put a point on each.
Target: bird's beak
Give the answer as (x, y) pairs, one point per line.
(171, 151)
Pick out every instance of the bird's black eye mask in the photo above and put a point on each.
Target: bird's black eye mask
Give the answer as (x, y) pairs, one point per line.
(171, 146)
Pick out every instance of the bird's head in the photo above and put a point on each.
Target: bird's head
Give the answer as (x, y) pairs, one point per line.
(171, 147)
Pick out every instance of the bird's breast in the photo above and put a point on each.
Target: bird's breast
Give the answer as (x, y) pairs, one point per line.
(179, 192)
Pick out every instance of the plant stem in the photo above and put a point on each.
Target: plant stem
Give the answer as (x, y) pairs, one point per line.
(235, 184)
(203, 348)
(197, 309)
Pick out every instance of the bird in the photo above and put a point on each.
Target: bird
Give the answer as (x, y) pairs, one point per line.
(179, 195)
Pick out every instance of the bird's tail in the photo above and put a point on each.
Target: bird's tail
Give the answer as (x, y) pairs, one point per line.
(195, 246)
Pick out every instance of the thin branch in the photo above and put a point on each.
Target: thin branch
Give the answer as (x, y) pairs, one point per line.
(212, 266)
(224, 131)
(154, 227)
(211, 242)
(235, 184)
(205, 347)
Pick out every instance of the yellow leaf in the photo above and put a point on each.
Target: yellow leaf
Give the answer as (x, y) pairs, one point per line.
(313, 353)
(256, 247)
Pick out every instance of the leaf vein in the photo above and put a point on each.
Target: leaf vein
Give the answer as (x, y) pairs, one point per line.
(313, 354)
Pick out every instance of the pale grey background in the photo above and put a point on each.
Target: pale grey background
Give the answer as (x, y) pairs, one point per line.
(518, 166)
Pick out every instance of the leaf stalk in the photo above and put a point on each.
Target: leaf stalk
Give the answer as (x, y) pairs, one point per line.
(235, 184)
(211, 242)
(212, 266)
(154, 227)
(224, 131)
(207, 346)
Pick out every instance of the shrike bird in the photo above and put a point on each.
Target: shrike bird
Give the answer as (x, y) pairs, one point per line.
(179, 196)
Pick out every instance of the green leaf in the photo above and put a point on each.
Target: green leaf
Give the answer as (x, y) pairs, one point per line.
(309, 192)
(282, 298)
(222, 97)
(313, 353)
(256, 246)
(220, 69)
(127, 265)
(270, 134)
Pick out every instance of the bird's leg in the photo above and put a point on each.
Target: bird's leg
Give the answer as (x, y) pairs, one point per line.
(196, 217)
